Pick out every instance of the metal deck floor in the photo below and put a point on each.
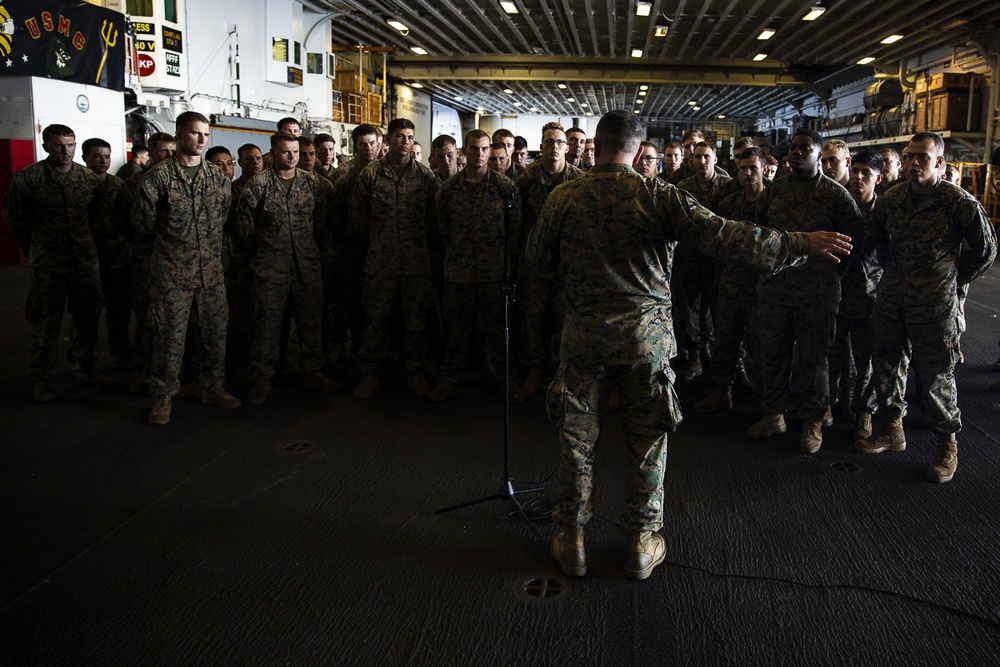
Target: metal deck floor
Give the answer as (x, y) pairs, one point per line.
(222, 539)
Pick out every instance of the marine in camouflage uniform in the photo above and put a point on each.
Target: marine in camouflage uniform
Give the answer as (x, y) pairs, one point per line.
(115, 258)
(920, 228)
(540, 293)
(695, 278)
(186, 216)
(474, 218)
(391, 212)
(613, 232)
(47, 208)
(736, 318)
(284, 227)
(797, 308)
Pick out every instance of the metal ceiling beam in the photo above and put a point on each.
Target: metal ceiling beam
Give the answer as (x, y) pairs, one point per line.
(520, 68)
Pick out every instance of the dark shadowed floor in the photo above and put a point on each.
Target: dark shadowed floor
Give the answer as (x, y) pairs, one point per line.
(303, 532)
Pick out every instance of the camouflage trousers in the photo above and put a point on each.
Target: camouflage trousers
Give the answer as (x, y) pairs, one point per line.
(414, 294)
(240, 297)
(840, 359)
(735, 322)
(270, 297)
(861, 349)
(49, 296)
(170, 309)
(462, 302)
(139, 284)
(694, 287)
(933, 349)
(542, 301)
(649, 410)
(782, 329)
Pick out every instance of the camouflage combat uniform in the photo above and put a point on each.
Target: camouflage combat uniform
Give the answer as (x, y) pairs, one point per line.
(798, 308)
(185, 217)
(349, 251)
(115, 259)
(540, 293)
(393, 216)
(918, 245)
(613, 232)
(283, 228)
(736, 307)
(859, 285)
(472, 219)
(236, 258)
(47, 212)
(140, 250)
(695, 280)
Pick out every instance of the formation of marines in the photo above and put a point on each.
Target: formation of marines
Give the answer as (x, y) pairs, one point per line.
(602, 250)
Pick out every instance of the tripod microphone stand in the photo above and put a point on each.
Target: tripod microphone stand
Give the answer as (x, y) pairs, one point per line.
(506, 491)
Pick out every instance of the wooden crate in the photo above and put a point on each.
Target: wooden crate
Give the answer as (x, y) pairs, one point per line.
(373, 109)
(947, 111)
(943, 81)
(353, 109)
(346, 81)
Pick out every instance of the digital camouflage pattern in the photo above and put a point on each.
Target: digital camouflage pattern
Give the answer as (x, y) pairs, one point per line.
(236, 258)
(393, 217)
(49, 218)
(799, 306)
(472, 218)
(186, 218)
(114, 257)
(284, 228)
(927, 249)
(613, 233)
(140, 250)
(859, 286)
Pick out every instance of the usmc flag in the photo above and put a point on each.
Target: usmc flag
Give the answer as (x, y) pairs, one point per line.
(63, 39)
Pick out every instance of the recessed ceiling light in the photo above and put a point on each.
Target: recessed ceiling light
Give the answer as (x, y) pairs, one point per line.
(584, 104)
(589, 114)
(562, 86)
(642, 93)
(766, 33)
(508, 91)
(892, 39)
(637, 53)
(517, 104)
(642, 7)
(571, 99)
(643, 87)
(692, 102)
(398, 26)
(416, 85)
(815, 12)
(640, 101)
(721, 116)
(760, 56)
(661, 30)
(696, 108)
(509, 6)
(866, 60)
(635, 111)
(533, 109)
(457, 98)
(419, 51)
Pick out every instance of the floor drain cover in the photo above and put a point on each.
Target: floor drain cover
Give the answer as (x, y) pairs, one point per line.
(845, 466)
(542, 589)
(297, 446)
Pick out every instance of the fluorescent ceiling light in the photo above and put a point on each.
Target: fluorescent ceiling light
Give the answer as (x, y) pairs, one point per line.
(398, 26)
(692, 102)
(509, 6)
(642, 93)
(533, 109)
(637, 53)
(661, 30)
(517, 104)
(696, 108)
(416, 85)
(866, 60)
(589, 114)
(767, 33)
(892, 39)
(457, 98)
(584, 105)
(640, 101)
(817, 10)
(635, 111)
(562, 86)
(419, 51)
(508, 91)
(721, 116)
(643, 87)
(571, 99)
(643, 8)
(760, 56)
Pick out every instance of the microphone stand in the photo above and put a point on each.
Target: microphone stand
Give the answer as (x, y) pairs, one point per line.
(507, 491)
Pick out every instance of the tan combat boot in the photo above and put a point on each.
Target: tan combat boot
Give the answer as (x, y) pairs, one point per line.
(767, 426)
(946, 461)
(889, 438)
(367, 387)
(646, 552)
(159, 415)
(260, 391)
(812, 437)
(567, 548)
(863, 426)
(219, 397)
(319, 382)
(718, 399)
